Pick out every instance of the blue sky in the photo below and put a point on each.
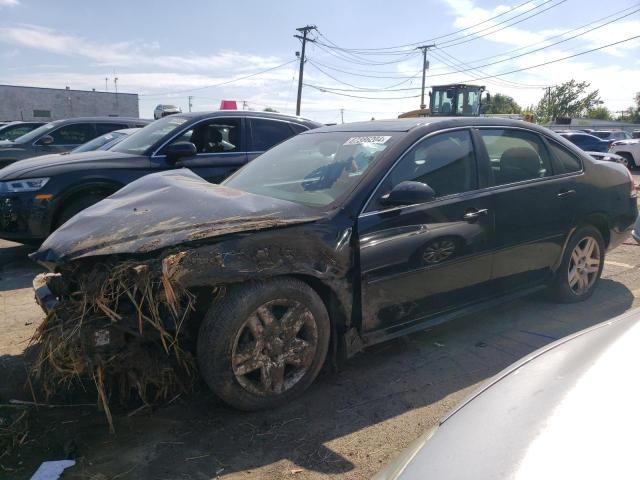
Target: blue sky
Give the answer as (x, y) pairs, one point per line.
(156, 48)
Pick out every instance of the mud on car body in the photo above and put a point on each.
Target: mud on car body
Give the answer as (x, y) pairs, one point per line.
(336, 239)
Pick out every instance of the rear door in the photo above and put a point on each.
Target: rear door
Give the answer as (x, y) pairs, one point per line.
(419, 260)
(266, 133)
(534, 206)
(221, 147)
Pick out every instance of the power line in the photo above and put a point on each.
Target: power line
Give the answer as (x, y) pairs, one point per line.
(325, 90)
(217, 84)
(448, 34)
(332, 90)
(406, 79)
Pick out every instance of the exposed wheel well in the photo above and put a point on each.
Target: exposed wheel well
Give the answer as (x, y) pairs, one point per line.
(600, 222)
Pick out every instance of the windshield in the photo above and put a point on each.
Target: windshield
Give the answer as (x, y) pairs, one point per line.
(98, 142)
(35, 134)
(313, 169)
(140, 142)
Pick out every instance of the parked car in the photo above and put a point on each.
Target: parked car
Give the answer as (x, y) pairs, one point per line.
(213, 145)
(611, 134)
(164, 110)
(587, 142)
(106, 141)
(13, 130)
(339, 238)
(635, 134)
(567, 410)
(62, 136)
(629, 150)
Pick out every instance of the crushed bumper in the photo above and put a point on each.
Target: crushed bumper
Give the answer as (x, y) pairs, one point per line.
(44, 296)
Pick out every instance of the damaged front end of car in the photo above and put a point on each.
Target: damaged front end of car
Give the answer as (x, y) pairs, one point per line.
(130, 276)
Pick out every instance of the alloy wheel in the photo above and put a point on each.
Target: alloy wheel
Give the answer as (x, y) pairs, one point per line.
(275, 347)
(438, 251)
(584, 265)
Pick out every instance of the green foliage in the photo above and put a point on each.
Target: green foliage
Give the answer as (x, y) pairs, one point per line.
(269, 109)
(500, 103)
(600, 113)
(571, 99)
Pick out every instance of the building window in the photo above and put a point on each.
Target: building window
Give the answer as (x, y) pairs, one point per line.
(42, 113)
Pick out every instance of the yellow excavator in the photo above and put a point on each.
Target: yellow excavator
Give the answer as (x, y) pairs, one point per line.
(460, 100)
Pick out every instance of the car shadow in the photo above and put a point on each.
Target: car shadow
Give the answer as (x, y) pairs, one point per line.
(199, 437)
(16, 269)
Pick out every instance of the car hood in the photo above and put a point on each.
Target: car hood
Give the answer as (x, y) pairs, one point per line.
(30, 166)
(166, 209)
(568, 410)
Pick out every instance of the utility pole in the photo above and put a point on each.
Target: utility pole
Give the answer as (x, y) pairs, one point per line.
(304, 31)
(549, 104)
(244, 104)
(342, 114)
(190, 104)
(425, 67)
(106, 84)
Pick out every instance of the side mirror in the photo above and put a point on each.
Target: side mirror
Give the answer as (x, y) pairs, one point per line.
(46, 140)
(409, 193)
(178, 150)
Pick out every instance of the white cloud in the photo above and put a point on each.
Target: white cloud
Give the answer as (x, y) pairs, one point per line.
(127, 53)
(9, 3)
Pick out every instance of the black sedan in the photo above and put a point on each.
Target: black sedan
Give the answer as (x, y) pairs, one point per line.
(62, 136)
(587, 142)
(339, 238)
(38, 195)
(568, 410)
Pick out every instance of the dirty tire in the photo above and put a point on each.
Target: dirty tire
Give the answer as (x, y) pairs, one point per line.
(248, 338)
(77, 206)
(629, 162)
(575, 264)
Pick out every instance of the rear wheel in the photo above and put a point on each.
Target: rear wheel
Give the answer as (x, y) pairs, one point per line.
(627, 160)
(581, 266)
(263, 343)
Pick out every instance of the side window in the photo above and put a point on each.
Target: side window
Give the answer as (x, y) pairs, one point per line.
(446, 162)
(516, 155)
(102, 128)
(220, 135)
(567, 161)
(75, 134)
(267, 133)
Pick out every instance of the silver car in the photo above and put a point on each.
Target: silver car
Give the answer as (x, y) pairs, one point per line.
(567, 411)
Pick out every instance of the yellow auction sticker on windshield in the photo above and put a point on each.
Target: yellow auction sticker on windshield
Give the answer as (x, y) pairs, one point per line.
(376, 139)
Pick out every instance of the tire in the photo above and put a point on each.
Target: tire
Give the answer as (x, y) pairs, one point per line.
(575, 284)
(630, 163)
(248, 358)
(77, 206)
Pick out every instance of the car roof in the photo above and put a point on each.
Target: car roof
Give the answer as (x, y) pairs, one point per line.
(407, 124)
(245, 113)
(100, 119)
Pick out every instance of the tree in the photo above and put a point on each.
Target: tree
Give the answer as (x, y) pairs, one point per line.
(500, 103)
(600, 113)
(269, 109)
(571, 99)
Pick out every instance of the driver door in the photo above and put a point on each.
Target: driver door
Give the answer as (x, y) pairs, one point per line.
(220, 145)
(425, 259)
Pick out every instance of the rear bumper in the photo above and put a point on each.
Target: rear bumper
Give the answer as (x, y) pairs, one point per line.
(24, 217)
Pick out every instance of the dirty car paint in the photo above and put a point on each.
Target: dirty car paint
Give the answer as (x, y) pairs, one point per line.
(165, 209)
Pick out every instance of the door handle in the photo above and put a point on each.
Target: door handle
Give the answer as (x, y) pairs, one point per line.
(473, 214)
(565, 193)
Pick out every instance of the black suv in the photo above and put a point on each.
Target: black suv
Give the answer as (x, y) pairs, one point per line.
(62, 136)
(38, 195)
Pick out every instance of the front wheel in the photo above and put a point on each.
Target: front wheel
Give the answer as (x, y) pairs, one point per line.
(263, 342)
(581, 266)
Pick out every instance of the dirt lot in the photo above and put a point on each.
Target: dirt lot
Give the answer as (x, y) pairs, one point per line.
(347, 425)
